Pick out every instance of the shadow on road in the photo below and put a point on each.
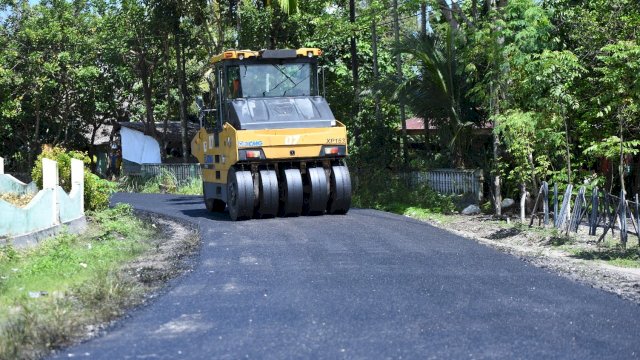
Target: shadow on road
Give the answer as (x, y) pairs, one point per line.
(186, 200)
(204, 213)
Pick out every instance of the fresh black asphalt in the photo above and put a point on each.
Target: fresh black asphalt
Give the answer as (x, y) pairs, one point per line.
(367, 285)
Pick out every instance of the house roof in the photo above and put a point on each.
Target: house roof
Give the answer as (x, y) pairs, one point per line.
(415, 125)
(174, 129)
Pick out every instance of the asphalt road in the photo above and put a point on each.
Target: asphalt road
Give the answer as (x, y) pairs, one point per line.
(366, 285)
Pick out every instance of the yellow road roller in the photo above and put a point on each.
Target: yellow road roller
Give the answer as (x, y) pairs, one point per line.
(268, 142)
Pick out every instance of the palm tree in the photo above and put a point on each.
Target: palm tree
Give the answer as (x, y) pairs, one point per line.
(434, 93)
(288, 6)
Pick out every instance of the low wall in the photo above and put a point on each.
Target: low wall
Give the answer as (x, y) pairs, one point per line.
(48, 211)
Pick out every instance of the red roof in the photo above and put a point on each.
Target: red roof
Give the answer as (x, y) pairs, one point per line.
(417, 123)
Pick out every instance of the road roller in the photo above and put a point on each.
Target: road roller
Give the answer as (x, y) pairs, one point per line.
(268, 143)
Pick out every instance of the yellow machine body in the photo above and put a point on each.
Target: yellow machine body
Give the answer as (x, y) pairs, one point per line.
(278, 145)
(274, 148)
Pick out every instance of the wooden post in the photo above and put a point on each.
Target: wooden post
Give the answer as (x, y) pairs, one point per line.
(577, 214)
(565, 207)
(637, 218)
(593, 217)
(555, 204)
(623, 219)
(545, 202)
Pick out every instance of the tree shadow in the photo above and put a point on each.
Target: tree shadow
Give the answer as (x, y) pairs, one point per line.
(504, 233)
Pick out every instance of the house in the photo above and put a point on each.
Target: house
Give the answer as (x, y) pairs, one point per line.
(127, 145)
(137, 147)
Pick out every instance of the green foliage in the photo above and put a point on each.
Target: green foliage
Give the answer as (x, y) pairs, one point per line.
(63, 157)
(166, 182)
(385, 191)
(96, 190)
(558, 79)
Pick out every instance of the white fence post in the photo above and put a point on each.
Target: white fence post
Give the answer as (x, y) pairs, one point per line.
(77, 179)
(1, 165)
(50, 180)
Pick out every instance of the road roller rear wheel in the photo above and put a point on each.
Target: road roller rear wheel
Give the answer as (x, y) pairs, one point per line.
(291, 193)
(269, 195)
(240, 194)
(340, 197)
(316, 193)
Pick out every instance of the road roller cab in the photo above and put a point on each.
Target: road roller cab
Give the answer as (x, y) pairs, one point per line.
(269, 144)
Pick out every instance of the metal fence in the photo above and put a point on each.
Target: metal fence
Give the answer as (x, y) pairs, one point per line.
(449, 181)
(183, 172)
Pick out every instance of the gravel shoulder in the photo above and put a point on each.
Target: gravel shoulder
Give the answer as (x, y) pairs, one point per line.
(576, 256)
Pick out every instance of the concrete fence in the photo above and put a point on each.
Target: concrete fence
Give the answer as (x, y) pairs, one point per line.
(47, 211)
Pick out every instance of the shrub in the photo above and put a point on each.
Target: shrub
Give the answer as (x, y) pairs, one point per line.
(96, 190)
(384, 190)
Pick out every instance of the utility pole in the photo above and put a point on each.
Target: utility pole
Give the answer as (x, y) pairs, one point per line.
(396, 33)
(354, 71)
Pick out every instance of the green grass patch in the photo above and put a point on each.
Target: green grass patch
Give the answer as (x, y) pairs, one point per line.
(50, 292)
(617, 256)
(425, 214)
(165, 183)
(383, 190)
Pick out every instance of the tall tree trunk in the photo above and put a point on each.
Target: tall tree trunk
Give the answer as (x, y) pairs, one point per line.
(167, 87)
(636, 181)
(403, 120)
(182, 91)
(423, 18)
(535, 181)
(355, 73)
(496, 98)
(621, 166)
(376, 73)
(474, 10)
(497, 181)
(238, 23)
(447, 12)
(36, 135)
(567, 148)
(145, 75)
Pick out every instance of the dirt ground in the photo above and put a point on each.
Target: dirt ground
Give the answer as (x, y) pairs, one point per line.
(576, 256)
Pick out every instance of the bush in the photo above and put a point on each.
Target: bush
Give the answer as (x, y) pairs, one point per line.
(96, 190)
(384, 190)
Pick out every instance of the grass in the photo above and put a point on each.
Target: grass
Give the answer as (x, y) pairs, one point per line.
(426, 214)
(615, 255)
(165, 183)
(50, 293)
(381, 190)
